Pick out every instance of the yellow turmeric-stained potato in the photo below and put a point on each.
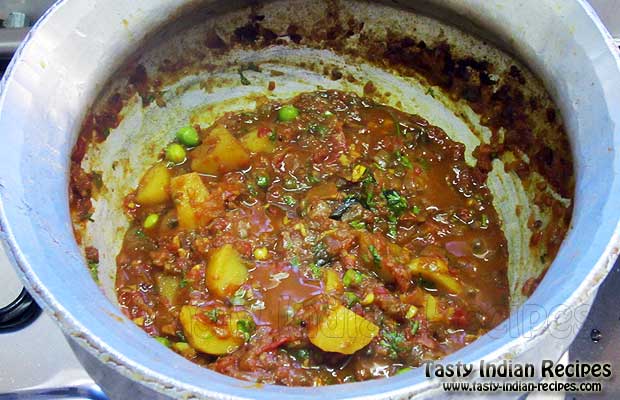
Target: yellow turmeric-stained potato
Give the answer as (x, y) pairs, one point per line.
(257, 144)
(331, 281)
(168, 286)
(153, 188)
(190, 196)
(341, 330)
(435, 269)
(209, 338)
(431, 309)
(220, 152)
(226, 271)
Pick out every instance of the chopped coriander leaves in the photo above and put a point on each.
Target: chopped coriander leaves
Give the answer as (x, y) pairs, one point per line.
(246, 327)
(352, 277)
(395, 202)
(392, 342)
(272, 136)
(94, 270)
(247, 67)
(183, 283)
(376, 257)
(315, 271)
(416, 209)
(484, 221)
(351, 299)
(312, 179)
(140, 233)
(415, 326)
(368, 200)
(403, 160)
(392, 232)
(244, 81)
(358, 224)
(213, 314)
(318, 129)
(289, 200)
(369, 179)
(252, 190)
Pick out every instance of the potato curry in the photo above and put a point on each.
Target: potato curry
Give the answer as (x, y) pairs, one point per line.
(320, 240)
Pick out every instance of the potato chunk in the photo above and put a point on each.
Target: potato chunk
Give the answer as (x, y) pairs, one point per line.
(331, 281)
(435, 269)
(256, 143)
(192, 201)
(168, 286)
(226, 271)
(207, 337)
(220, 152)
(340, 330)
(153, 188)
(431, 308)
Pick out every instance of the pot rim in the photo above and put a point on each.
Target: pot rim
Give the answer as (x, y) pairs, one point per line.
(401, 386)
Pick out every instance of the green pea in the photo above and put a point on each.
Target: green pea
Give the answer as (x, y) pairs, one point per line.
(304, 354)
(262, 181)
(290, 183)
(188, 136)
(150, 221)
(288, 113)
(175, 153)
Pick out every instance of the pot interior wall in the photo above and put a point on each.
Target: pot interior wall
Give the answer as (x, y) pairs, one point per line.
(200, 88)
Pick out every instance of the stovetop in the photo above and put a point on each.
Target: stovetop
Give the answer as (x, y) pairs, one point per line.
(36, 361)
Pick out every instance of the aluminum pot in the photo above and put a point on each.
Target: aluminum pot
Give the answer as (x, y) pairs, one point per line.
(61, 68)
